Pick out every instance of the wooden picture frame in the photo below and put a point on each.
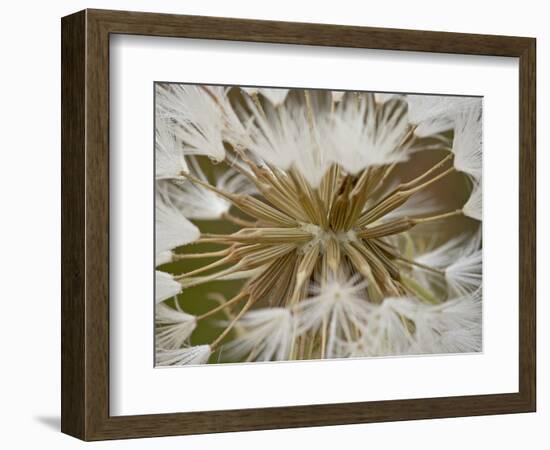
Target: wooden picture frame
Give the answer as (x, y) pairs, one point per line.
(85, 224)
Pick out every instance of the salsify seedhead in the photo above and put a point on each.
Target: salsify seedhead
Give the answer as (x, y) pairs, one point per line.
(338, 243)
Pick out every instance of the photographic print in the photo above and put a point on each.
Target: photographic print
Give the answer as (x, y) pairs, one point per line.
(307, 224)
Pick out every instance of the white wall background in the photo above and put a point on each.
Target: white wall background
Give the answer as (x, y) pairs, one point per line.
(30, 221)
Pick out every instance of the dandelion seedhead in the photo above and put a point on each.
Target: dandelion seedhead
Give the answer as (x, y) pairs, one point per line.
(328, 202)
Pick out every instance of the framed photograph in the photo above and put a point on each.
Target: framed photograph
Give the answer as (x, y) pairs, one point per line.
(270, 224)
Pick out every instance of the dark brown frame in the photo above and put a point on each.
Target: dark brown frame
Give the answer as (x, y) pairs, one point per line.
(85, 224)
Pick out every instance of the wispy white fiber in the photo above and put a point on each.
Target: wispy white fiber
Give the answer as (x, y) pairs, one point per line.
(464, 274)
(174, 326)
(339, 306)
(172, 229)
(474, 206)
(169, 155)
(163, 258)
(467, 142)
(312, 134)
(434, 114)
(266, 334)
(401, 326)
(187, 356)
(165, 286)
(199, 116)
(460, 260)
(195, 201)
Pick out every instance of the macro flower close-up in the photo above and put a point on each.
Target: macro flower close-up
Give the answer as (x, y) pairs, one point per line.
(299, 224)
